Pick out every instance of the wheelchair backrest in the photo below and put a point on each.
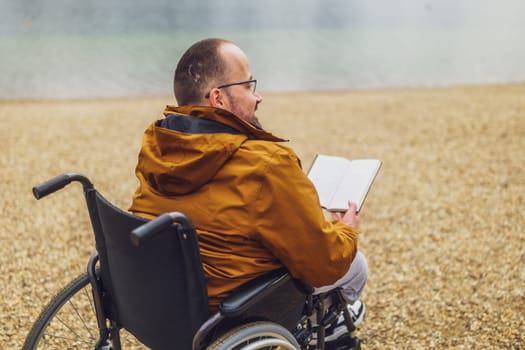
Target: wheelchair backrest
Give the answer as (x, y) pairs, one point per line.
(157, 290)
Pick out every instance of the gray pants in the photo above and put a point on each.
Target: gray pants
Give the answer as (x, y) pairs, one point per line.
(353, 282)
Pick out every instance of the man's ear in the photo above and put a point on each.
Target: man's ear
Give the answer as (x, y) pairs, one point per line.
(216, 98)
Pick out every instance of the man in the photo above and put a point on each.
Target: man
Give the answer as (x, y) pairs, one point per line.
(254, 208)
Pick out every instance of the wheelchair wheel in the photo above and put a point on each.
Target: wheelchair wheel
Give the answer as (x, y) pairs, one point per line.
(256, 335)
(69, 322)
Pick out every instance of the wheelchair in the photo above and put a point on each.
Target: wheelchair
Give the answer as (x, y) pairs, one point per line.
(145, 288)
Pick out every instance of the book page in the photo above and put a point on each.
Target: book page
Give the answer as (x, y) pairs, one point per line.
(326, 173)
(359, 175)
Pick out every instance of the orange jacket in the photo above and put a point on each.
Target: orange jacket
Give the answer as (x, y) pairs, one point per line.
(254, 208)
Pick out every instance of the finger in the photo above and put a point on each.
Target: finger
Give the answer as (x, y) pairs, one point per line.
(335, 215)
(352, 207)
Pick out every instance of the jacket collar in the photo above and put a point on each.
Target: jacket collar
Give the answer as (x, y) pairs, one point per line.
(224, 117)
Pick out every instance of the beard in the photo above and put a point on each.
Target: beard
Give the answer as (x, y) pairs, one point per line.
(255, 122)
(250, 118)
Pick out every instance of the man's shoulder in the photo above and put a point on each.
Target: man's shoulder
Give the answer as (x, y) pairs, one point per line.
(267, 147)
(268, 154)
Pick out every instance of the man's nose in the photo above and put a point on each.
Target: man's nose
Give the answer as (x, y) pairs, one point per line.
(258, 97)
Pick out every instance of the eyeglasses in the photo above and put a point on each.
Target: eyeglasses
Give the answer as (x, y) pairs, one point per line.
(252, 85)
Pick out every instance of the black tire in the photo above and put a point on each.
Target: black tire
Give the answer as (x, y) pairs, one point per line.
(256, 335)
(69, 321)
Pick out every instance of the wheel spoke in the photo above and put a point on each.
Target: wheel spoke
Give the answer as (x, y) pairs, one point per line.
(48, 336)
(80, 317)
(67, 321)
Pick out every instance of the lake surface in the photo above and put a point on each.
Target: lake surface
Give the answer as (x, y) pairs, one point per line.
(113, 48)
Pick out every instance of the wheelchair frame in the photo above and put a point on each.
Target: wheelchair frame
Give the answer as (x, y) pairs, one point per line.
(242, 321)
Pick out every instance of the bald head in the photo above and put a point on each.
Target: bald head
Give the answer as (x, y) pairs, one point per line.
(201, 67)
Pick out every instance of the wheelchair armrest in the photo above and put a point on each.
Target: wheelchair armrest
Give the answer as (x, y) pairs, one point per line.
(254, 291)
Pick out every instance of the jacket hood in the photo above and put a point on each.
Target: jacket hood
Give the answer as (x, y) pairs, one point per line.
(187, 148)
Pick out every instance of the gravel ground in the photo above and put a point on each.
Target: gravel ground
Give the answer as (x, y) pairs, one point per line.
(443, 226)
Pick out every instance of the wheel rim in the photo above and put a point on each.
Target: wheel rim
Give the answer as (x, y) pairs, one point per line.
(269, 343)
(268, 340)
(256, 335)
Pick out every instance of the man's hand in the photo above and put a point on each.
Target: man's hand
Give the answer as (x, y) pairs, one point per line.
(350, 217)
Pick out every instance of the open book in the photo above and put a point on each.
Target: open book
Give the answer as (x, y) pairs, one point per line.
(339, 180)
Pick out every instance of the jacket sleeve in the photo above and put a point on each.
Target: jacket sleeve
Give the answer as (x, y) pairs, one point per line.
(291, 224)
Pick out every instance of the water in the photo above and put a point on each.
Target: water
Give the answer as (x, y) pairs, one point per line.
(111, 48)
